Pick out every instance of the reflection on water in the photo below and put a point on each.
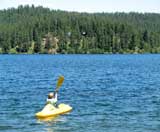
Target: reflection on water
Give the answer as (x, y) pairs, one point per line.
(49, 129)
(47, 119)
(50, 123)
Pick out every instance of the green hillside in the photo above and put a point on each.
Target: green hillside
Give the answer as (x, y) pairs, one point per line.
(41, 30)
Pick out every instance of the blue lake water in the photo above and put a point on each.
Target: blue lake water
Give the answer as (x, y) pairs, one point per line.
(108, 93)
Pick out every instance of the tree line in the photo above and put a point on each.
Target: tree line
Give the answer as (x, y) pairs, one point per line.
(30, 29)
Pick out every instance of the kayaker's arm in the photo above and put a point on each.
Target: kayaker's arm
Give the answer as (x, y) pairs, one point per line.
(55, 96)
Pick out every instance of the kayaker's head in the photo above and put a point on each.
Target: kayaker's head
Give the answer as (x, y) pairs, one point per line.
(50, 95)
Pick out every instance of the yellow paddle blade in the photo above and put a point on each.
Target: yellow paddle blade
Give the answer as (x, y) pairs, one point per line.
(60, 81)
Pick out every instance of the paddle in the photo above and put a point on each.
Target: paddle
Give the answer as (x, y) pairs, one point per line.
(59, 83)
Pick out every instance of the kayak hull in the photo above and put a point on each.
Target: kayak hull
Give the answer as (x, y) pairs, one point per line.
(50, 111)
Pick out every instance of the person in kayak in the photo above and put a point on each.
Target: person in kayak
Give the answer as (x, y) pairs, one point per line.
(52, 98)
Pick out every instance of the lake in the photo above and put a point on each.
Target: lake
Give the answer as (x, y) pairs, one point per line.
(108, 93)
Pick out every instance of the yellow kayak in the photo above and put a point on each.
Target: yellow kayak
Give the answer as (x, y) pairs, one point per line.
(49, 110)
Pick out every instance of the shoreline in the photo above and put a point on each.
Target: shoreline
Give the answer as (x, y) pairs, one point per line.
(87, 54)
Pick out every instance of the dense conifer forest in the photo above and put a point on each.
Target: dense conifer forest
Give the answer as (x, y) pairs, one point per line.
(30, 29)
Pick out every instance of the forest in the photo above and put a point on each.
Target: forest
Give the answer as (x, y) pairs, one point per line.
(38, 30)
